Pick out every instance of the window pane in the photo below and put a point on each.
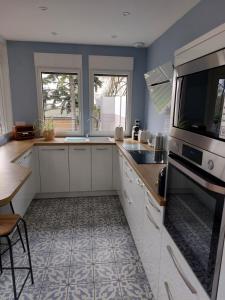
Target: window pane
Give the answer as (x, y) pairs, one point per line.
(110, 102)
(60, 94)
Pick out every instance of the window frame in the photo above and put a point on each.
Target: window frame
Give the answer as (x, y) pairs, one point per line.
(129, 75)
(6, 116)
(78, 71)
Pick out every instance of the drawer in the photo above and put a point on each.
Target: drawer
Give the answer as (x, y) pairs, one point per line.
(153, 207)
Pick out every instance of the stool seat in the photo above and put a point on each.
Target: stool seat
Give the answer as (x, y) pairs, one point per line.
(8, 222)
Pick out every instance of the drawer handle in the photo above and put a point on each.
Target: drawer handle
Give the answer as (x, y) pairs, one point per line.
(139, 182)
(80, 149)
(102, 149)
(130, 180)
(151, 218)
(168, 292)
(152, 203)
(180, 271)
(60, 149)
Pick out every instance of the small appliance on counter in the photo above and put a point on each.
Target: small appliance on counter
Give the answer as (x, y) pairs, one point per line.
(159, 142)
(143, 136)
(135, 130)
(118, 135)
(162, 182)
(23, 132)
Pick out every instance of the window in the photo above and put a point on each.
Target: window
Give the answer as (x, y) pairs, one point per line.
(61, 100)
(110, 102)
(6, 122)
(59, 91)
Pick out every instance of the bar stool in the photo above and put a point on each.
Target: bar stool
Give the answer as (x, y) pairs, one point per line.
(4, 203)
(9, 223)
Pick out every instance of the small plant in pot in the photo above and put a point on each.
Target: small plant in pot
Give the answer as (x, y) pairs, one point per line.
(46, 129)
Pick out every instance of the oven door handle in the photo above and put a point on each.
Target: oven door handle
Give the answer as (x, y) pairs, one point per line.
(201, 181)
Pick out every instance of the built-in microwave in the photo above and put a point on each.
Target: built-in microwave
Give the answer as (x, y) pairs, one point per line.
(199, 102)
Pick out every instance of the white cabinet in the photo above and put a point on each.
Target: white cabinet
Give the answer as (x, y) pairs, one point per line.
(80, 168)
(151, 236)
(116, 169)
(102, 171)
(54, 169)
(22, 199)
(177, 281)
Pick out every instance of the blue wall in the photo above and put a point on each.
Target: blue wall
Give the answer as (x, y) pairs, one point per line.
(23, 81)
(201, 19)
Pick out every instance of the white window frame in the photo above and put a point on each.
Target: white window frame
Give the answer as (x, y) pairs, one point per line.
(39, 71)
(5, 92)
(129, 75)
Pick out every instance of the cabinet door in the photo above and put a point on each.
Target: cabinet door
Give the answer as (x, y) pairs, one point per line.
(151, 245)
(177, 281)
(80, 168)
(116, 171)
(54, 171)
(102, 167)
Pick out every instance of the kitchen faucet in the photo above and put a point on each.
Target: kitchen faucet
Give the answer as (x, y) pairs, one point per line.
(97, 123)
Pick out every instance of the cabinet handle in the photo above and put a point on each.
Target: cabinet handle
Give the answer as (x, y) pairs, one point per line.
(130, 180)
(168, 292)
(59, 149)
(152, 203)
(80, 149)
(149, 215)
(180, 271)
(139, 182)
(102, 149)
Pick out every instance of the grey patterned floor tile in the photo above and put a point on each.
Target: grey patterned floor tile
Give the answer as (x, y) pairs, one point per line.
(40, 245)
(6, 281)
(81, 274)
(102, 242)
(62, 234)
(124, 254)
(82, 243)
(60, 258)
(54, 293)
(81, 257)
(131, 270)
(38, 274)
(39, 259)
(56, 276)
(105, 272)
(61, 245)
(103, 255)
(28, 294)
(136, 290)
(81, 292)
(122, 241)
(108, 291)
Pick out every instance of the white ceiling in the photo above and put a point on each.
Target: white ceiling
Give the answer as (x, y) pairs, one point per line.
(90, 21)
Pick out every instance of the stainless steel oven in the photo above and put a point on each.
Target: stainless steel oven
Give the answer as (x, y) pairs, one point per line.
(198, 102)
(195, 211)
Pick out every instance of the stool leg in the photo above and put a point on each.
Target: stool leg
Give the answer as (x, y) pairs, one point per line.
(28, 251)
(18, 229)
(12, 267)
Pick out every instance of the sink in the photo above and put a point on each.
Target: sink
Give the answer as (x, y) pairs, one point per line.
(77, 139)
(92, 139)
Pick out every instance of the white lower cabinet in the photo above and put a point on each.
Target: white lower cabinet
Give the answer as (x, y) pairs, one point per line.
(151, 237)
(80, 168)
(102, 170)
(54, 169)
(177, 281)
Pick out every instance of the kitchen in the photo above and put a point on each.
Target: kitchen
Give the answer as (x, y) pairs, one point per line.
(88, 122)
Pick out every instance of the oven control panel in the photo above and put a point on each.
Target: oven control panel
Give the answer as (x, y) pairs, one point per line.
(209, 162)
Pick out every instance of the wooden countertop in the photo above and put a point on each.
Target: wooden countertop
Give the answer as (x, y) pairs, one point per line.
(13, 176)
(148, 173)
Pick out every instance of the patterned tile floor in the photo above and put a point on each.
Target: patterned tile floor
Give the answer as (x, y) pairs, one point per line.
(81, 248)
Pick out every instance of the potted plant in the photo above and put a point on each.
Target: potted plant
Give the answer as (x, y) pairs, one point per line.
(46, 129)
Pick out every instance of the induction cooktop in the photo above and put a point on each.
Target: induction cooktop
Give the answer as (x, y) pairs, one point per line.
(149, 157)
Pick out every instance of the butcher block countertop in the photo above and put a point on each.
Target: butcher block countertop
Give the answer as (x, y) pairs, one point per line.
(12, 175)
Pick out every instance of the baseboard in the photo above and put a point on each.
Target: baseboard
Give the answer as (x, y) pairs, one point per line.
(75, 194)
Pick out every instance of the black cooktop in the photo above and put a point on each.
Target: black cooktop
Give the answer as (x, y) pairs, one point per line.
(149, 157)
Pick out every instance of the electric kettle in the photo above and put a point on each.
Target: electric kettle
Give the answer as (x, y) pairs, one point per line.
(119, 134)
